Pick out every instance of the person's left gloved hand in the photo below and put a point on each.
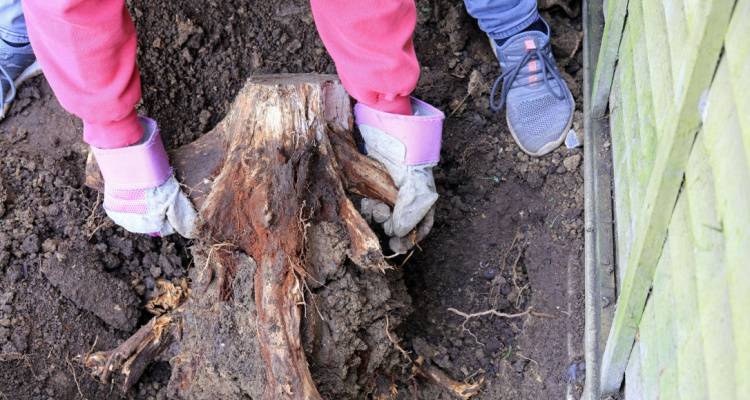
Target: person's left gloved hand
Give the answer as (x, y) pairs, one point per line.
(140, 191)
(409, 147)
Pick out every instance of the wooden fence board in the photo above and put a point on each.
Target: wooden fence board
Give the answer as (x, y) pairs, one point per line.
(644, 99)
(621, 192)
(697, 65)
(727, 157)
(605, 66)
(677, 30)
(663, 304)
(649, 355)
(737, 50)
(710, 275)
(630, 126)
(657, 44)
(634, 375)
(688, 339)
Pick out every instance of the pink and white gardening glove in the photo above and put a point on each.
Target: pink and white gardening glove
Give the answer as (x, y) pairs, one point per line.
(140, 191)
(408, 146)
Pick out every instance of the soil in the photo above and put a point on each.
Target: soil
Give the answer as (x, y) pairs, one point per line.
(508, 233)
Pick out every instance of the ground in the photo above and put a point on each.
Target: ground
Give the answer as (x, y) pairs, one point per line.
(508, 233)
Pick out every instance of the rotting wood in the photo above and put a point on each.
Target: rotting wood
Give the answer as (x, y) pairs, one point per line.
(282, 155)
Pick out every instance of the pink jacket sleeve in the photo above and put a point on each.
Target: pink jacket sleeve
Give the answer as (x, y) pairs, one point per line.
(87, 51)
(371, 43)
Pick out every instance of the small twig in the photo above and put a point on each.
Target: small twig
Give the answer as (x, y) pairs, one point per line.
(411, 253)
(91, 350)
(460, 104)
(394, 342)
(575, 49)
(97, 229)
(527, 358)
(75, 377)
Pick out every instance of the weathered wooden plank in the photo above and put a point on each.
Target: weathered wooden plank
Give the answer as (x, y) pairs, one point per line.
(605, 66)
(723, 139)
(693, 11)
(634, 376)
(657, 44)
(691, 370)
(677, 31)
(616, 128)
(621, 191)
(737, 50)
(629, 98)
(698, 64)
(649, 354)
(663, 303)
(644, 99)
(710, 275)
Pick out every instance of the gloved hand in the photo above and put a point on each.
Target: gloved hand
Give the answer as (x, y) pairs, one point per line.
(408, 146)
(140, 191)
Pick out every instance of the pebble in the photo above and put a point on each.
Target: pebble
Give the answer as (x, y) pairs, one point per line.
(49, 245)
(30, 245)
(6, 298)
(5, 322)
(149, 282)
(155, 271)
(571, 163)
(489, 274)
(444, 362)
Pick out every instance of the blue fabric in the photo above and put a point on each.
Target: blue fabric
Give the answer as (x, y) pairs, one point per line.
(12, 23)
(502, 18)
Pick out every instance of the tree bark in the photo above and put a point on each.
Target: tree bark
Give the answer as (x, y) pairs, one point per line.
(266, 181)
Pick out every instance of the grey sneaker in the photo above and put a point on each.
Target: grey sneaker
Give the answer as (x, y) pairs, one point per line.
(539, 105)
(17, 64)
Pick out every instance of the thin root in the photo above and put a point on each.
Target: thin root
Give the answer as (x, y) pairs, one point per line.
(395, 342)
(467, 317)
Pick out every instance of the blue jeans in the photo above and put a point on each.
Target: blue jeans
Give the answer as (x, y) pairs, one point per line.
(500, 19)
(12, 23)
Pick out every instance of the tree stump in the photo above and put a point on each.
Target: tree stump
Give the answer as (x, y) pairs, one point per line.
(291, 296)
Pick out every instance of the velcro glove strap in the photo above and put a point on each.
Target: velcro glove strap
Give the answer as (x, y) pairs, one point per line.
(144, 165)
(421, 133)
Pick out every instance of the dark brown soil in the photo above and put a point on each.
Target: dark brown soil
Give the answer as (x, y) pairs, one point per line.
(508, 234)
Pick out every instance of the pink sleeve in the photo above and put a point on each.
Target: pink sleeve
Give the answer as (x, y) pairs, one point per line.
(371, 43)
(87, 52)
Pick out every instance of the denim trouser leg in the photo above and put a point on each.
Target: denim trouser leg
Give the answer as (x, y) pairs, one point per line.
(12, 23)
(502, 18)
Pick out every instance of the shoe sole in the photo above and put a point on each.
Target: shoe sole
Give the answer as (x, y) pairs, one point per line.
(31, 71)
(547, 148)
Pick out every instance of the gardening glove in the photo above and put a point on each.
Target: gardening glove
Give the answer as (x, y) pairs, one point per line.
(408, 146)
(140, 191)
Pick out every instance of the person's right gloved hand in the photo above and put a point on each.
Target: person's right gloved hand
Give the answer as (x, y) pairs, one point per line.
(409, 147)
(140, 191)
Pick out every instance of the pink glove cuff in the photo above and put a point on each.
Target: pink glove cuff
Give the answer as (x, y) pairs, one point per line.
(420, 133)
(141, 166)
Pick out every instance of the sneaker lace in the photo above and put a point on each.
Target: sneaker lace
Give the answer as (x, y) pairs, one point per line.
(4, 75)
(508, 78)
